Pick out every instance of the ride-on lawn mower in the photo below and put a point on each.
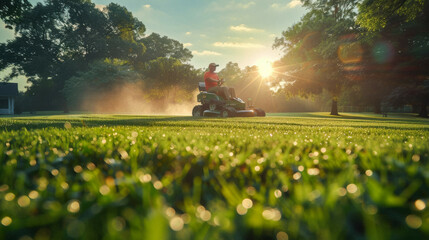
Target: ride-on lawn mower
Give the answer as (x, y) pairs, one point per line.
(213, 105)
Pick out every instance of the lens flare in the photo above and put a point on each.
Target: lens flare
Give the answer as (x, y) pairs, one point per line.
(382, 52)
(350, 52)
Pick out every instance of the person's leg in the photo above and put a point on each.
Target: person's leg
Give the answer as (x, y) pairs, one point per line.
(214, 90)
(226, 93)
(220, 91)
(232, 92)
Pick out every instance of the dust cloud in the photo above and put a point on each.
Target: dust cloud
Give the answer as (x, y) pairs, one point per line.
(133, 98)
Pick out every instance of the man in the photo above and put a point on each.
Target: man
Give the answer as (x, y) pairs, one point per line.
(213, 83)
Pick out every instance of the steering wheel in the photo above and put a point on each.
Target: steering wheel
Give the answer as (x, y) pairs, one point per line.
(221, 81)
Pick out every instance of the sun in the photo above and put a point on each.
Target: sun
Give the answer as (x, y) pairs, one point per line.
(264, 68)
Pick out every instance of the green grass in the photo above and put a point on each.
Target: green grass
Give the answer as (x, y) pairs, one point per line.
(309, 176)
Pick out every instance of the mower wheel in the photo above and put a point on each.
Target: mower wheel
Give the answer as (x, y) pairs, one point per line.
(228, 112)
(197, 111)
(259, 112)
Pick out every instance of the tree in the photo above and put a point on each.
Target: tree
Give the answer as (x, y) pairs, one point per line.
(158, 46)
(415, 94)
(376, 15)
(396, 32)
(231, 73)
(97, 83)
(320, 49)
(168, 78)
(11, 10)
(57, 39)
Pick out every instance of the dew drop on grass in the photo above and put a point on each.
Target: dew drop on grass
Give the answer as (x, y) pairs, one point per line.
(73, 206)
(368, 172)
(176, 223)
(64, 185)
(352, 188)
(4, 187)
(77, 169)
(342, 192)
(206, 215)
(104, 190)
(271, 214)
(118, 223)
(420, 204)
(170, 212)
(54, 172)
(24, 201)
(157, 185)
(251, 191)
(296, 176)
(67, 125)
(413, 221)
(415, 158)
(6, 221)
(277, 193)
(33, 194)
(247, 203)
(241, 210)
(282, 236)
(313, 171)
(91, 166)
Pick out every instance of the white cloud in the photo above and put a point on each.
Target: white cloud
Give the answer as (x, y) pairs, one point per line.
(244, 28)
(203, 35)
(272, 35)
(206, 53)
(291, 4)
(187, 44)
(188, 33)
(237, 45)
(245, 5)
(231, 5)
(100, 7)
(294, 3)
(147, 6)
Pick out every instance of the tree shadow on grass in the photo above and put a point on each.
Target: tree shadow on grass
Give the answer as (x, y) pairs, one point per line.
(58, 121)
(409, 119)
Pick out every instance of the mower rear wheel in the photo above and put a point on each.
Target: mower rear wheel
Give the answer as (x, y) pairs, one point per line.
(197, 111)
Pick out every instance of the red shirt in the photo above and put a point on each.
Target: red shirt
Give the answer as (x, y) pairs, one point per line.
(210, 84)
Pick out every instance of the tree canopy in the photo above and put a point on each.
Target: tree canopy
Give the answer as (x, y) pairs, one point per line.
(68, 40)
(312, 48)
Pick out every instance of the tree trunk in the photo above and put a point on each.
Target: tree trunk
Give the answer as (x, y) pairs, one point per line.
(423, 110)
(66, 108)
(377, 107)
(415, 108)
(334, 107)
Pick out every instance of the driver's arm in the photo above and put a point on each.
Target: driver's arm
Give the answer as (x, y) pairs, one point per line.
(212, 80)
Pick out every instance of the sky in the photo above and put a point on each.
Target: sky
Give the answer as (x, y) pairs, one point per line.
(221, 31)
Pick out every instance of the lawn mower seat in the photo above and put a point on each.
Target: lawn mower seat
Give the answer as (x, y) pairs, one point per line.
(202, 86)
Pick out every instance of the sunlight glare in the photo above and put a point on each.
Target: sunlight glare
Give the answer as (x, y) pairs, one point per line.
(265, 69)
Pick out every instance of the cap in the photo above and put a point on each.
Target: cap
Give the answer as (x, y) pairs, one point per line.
(213, 64)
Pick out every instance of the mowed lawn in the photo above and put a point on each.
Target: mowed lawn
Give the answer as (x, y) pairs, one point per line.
(285, 176)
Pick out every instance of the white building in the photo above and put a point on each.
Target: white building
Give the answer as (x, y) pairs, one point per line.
(8, 93)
